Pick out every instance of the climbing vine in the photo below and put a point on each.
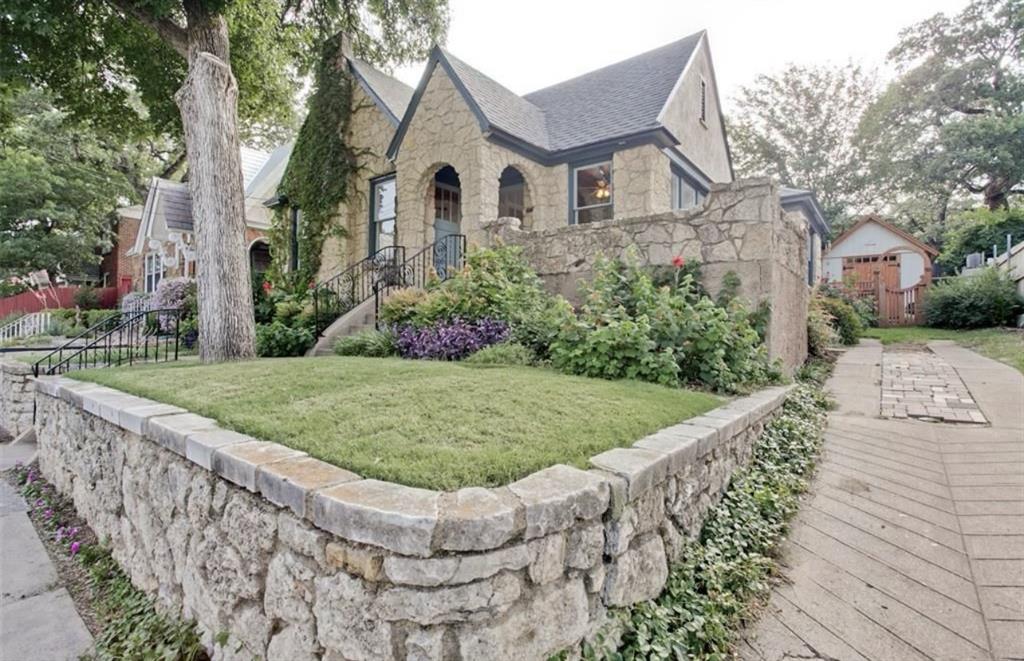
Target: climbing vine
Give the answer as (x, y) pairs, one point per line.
(319, 171)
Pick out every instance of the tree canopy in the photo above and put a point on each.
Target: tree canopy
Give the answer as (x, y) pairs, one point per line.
(952, 121)
(799, 125)
(60, 183)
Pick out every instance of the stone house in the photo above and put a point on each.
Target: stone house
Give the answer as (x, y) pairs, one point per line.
(640, 142)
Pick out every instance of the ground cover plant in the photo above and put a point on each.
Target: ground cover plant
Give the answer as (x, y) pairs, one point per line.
(123, 620)
(726, 569)
(430, 424)
(1003, 344)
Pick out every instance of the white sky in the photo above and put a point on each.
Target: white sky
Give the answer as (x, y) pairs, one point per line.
(529, 44)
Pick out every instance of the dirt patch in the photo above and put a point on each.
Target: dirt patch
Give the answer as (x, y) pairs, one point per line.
(70, 572)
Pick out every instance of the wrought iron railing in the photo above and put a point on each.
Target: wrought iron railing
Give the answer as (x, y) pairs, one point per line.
(143, 337)
(438, 261)
(337, 295)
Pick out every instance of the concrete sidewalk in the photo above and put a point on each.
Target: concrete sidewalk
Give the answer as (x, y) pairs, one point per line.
(911, 542)
(38, 620)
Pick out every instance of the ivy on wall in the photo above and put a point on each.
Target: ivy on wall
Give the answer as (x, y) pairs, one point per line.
(319, 171)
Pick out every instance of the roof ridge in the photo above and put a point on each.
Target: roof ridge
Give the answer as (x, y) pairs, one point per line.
(616, 63)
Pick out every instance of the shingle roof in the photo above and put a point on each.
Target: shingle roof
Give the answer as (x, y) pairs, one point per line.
(618, 100)
(172, 202)
(392, 93)
(502, 107)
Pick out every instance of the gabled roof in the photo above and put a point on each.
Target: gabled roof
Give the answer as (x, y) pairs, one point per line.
(391, 95)
(620, 99)
(619, 102)
(875, 218)
(168, 206)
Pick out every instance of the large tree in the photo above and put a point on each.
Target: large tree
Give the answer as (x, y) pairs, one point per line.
(952, 121)
(97, 55)
(799, 125)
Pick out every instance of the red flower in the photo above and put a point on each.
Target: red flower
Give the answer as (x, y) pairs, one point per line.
(267, 286)
(678, 261)
(312, 284)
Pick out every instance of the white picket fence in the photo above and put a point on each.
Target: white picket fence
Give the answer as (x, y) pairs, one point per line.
(34, 323)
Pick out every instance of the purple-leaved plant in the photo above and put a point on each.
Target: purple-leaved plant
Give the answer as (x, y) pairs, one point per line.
(451, 340)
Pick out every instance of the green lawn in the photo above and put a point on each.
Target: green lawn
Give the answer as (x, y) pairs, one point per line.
(421, 423)
(1002, 344)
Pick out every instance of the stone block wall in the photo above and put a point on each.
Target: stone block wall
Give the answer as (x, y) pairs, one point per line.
(17, 394)
(297, 559)
(740, 228)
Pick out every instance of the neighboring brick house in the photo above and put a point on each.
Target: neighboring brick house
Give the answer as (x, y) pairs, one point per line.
(162, 246)
(118, 268)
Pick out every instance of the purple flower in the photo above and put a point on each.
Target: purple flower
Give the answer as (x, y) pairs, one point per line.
(452, 340)
(74, 547)
(48, 514)
(73, 532)
(39, 502)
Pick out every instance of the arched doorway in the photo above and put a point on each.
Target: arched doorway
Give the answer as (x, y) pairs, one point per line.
(259, 257)
(447, 220)
(514, 197)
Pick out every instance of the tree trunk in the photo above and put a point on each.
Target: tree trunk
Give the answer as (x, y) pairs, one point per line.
(996, 193)
(208, 101)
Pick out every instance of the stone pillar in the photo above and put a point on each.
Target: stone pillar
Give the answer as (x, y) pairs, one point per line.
(16, 397)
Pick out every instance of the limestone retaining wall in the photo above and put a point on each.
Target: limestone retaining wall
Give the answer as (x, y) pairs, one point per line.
(16, 396)
(295, 559)
(740, 228)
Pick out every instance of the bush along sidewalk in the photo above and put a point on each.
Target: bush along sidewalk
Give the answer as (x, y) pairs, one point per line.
(123, 620)
(724, 573)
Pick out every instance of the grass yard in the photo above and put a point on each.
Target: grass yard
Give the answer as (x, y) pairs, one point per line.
(421, 423)
(1002, 344)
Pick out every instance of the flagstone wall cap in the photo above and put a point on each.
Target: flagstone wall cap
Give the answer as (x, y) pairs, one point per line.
(71, 391)
(291, 483)
(680, 450)
(133, 418)
(49, 385)
(392, 516)
(238, 463)
(479, 519)
(170, 431)
(15, 367)
(200, 445)
(556, 497)
(641, 468)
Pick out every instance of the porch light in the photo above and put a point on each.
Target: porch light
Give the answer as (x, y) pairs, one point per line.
(602, 192)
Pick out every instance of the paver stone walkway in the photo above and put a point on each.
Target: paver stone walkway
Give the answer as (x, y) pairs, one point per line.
(910, 544)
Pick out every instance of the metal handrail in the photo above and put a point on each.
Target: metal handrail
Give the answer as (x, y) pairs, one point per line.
(101, 327)
(135, 342)
(340, 293)
(437, 261)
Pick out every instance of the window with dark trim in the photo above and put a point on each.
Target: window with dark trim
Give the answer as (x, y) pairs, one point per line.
(383, 212)
(687, 192)
(592, 192)
(703, 100)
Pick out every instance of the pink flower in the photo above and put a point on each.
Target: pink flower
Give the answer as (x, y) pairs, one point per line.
(267, 286)
(48, 514)
(74, 547)
(678, 261)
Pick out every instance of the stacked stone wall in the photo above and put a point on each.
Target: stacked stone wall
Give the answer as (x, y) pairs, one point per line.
(17, 394)
(297, 559)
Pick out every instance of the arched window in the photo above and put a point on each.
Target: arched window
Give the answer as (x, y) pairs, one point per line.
(514, 196)
(259, 256)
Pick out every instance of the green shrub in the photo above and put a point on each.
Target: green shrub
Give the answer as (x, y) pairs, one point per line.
(977, 231)
(369, 343)
(86, 298)
(506, 353)
(93, 317)
(630, 328)
(844, 319)
(277, 339)
(987, 299)
(820, 333)
(496, 284)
